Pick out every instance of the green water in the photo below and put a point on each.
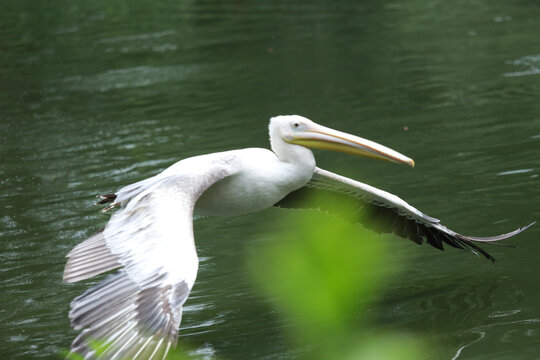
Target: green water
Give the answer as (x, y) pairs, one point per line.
(96, 95)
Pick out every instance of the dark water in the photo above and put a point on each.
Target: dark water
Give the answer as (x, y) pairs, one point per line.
(96, 95)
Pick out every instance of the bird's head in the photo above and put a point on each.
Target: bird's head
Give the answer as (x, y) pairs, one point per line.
(298, 130)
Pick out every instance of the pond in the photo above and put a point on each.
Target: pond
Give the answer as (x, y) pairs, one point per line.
(97, 95)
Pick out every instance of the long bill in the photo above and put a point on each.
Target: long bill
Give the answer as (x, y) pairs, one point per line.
(320, 137)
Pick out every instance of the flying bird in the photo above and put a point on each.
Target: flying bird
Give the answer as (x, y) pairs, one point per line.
(135, 312)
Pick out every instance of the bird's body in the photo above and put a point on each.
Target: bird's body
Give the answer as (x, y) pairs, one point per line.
(135, 313)
(261, 181)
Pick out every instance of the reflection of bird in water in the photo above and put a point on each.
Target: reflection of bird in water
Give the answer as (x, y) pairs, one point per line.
(135, 313)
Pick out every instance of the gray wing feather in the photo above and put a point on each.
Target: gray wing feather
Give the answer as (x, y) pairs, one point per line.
(135, 313)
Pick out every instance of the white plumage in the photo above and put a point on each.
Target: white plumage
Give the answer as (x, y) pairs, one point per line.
(135, 313)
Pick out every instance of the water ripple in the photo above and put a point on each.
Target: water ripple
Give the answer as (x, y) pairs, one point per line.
(513, 172)
(530, 65)
(504, 313)
(138, 37)
(138, 76)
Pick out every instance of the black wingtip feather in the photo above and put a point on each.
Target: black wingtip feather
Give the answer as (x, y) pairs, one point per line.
(106, 198)
(382, 219)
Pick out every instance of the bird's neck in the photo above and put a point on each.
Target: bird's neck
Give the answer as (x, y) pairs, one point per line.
(298, 155)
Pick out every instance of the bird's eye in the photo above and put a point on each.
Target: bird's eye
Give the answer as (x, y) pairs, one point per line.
(296, 124)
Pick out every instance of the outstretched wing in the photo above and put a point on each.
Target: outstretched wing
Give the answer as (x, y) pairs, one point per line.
(382, 212)
(135, 313)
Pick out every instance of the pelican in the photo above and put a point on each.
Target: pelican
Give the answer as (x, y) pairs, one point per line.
(135, 313)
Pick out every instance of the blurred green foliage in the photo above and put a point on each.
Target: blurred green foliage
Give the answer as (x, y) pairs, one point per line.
(323, 275)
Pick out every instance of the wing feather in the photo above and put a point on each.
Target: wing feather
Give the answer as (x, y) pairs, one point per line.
(90, 258)
(135, 313)
(383, 212)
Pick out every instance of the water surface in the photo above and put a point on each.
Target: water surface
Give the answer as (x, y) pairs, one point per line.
(94, 96)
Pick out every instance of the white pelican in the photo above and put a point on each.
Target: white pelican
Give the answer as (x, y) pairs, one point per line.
(135, 313)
